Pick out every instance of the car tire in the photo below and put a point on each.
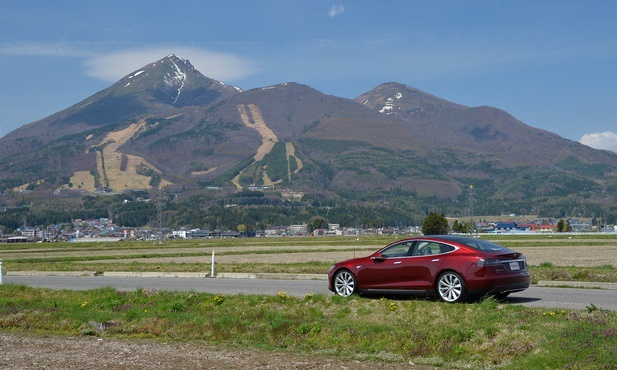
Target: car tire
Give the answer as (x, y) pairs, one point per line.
(451, 287)
(345, 283)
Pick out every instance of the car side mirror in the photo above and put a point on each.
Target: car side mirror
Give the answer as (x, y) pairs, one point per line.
(378, 258)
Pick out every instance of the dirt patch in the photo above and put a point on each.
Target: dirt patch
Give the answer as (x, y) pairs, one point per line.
(290, 151)
(257, 122)
(20, 351)
(588, 256)
(115, 169)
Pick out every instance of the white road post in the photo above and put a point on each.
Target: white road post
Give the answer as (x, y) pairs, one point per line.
(212, 267)
(1, 272)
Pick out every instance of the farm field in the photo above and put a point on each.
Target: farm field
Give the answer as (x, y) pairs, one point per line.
(300, 254)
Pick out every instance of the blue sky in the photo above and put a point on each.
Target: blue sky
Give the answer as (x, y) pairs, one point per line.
(551, 64)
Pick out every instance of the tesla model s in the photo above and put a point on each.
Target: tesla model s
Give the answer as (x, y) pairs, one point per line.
(454, 268)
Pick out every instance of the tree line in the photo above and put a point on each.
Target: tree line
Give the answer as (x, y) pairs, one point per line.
(251, 209)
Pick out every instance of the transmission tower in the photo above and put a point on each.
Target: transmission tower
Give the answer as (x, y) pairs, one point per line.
(471, 201)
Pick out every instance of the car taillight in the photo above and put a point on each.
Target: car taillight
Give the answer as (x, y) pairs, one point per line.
(489, 262)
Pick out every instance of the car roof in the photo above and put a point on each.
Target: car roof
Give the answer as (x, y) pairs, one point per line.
(475, 243)
(454, 238)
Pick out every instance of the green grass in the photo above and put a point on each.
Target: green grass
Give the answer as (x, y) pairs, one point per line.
(547, 271)
(458, 336)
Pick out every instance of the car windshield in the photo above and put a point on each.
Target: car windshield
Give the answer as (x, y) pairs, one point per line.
(484, 245)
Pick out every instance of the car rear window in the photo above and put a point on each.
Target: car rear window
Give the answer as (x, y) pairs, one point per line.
(484, 245)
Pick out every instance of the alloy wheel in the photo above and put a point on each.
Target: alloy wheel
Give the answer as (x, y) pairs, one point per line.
(451, 287)
(344, 283)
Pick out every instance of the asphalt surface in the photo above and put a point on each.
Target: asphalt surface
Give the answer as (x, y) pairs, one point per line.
(535, 296)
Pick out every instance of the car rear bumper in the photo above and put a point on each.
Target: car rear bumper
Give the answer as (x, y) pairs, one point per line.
(509, 284)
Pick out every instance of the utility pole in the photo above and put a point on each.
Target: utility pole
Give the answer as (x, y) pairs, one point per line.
(471, 201)
(160, 206)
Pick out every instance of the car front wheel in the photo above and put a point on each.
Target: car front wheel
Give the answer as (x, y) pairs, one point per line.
(344, 283)
(451, 287)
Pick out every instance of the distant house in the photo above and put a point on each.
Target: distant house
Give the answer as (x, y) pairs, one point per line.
(505, 226)
(199, 234)
(546, 228)
(298, 229)
(526, 227)
(10, 238)
(276, 231)
(511, 226)
(181, 234)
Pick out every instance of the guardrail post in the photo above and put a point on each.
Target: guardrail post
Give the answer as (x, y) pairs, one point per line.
(1, 272)
(212, 267)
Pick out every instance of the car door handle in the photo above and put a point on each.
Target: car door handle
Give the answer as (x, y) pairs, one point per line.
(435, 260)
(397, 263)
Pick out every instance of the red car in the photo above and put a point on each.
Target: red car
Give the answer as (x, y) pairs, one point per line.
(452, 267)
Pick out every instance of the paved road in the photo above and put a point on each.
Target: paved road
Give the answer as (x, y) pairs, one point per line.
(552, 298)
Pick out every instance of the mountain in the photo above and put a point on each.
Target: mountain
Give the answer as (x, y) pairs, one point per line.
(171, 82)
(52, 150)
(166, 125)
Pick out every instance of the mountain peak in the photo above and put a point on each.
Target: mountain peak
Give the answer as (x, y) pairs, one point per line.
(175, 81)
(179, 62)
(173, 56)
(393, 98)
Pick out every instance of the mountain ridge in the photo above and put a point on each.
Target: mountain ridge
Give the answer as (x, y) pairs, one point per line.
(166, 125)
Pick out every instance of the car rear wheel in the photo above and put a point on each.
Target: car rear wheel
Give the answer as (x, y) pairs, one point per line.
(451, 287)
(344, 283)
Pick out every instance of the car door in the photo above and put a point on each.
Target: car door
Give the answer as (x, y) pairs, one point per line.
(386, 269)
(422, 267)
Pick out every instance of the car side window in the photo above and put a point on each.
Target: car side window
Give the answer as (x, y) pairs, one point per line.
(445, 248)
(397, 250)
(425, 248)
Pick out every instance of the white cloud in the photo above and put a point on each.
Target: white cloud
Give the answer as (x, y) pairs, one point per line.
(224, 67)
(57, 49)
(336, 10)
(601, 140)
(113, 65)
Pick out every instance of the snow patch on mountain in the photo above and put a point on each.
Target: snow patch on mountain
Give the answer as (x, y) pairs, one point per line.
(390, 106)
(133, 76)
(137, 73)
(178, 79)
